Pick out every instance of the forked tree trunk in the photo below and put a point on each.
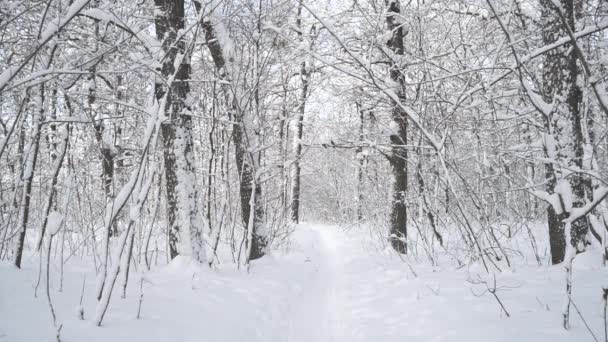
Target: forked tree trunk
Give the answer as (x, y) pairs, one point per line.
(398, 159)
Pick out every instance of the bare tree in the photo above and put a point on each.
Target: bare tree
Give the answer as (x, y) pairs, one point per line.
(185, 222)
(564, 142)
(243, 136)
(398, 137)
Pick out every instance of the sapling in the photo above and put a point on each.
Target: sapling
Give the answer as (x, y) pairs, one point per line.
(80, 308)
(492, 289)
(141, 297)
(54, 222)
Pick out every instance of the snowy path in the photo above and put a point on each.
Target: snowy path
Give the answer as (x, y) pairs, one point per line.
(359, 294)
(335, 292)
(311, 316)
(330, 285)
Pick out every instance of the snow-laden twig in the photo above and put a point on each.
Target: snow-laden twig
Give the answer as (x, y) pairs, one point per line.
(104, 302)
(55, 221)
(580, 314)
(598, 27)
(53, 28)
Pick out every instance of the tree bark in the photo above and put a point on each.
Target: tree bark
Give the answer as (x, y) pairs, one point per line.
(28, 180)
(299, 130)
(297, 147)
(245, 161)
(398, 137)
(563, 125)
(185, 221)
(362, 161)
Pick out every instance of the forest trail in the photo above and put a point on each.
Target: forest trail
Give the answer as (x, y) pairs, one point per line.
(329, 284)
(356, 291)
(312, 315)
(321, 311)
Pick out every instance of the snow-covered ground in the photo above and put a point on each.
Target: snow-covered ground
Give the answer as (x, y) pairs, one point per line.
(331, 285)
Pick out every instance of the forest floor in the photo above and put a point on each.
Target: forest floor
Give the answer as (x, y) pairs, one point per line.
(330, 284)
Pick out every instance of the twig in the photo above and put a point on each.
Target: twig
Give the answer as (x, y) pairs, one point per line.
(80, 307)
(583, 319)
(141, 297)
(491, 289)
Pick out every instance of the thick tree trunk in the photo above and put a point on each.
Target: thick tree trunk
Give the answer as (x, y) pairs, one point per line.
(185, 221)
(398, 159)
(564, 126)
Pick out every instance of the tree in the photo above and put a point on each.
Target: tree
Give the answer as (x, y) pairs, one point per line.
(244, 137)
(299, 128)
(564, 142)
(183, 212)
(398, 135)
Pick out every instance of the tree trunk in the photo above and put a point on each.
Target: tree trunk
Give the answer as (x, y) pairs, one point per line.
(185, 221)
(299, 130)
(362, 161)
(398, 159)
(563, 125)
(297, 146)
(28, 179)
(246, 161)
(247, 182)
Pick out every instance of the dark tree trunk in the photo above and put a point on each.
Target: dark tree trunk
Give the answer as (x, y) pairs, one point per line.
(185, 223)
(299, 130)
(247, 182)
(426, 207)
(362, 160)
(557, 236)
(28, 180)
(283, 146)
(564, 124)
(58, 163)
(398, 159)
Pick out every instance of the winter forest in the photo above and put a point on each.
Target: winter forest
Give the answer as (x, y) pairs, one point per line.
(303, 170)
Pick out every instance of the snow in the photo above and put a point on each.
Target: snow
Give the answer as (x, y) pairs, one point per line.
(8, 75)
(329, 285)
(564, 190)
(552, 199)
(55, 26)
(55, 220)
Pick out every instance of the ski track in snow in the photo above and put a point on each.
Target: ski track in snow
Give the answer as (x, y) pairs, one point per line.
(331, 285)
